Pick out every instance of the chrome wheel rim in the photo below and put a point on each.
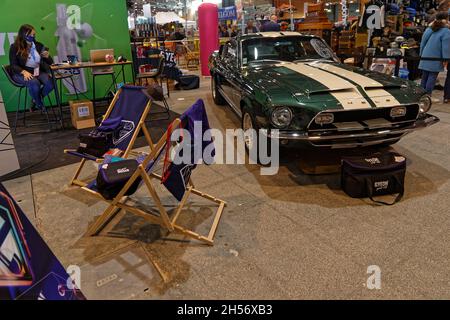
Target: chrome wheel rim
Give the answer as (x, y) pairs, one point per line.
(248, 136)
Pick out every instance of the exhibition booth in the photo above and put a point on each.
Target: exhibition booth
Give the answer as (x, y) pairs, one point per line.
(219, 149)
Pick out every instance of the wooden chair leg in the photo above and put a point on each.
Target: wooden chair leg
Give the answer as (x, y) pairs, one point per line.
(77, 173)
(148, 137)
(162, 210)
(209, 239)
(102, 221)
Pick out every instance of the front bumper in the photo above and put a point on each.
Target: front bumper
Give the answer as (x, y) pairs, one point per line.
(352, 139)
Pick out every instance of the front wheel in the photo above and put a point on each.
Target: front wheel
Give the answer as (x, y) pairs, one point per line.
(217, 97)
(252, 137)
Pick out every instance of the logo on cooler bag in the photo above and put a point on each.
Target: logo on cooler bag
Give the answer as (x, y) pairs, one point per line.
(373, 161)
(381, 185)
(123, 170)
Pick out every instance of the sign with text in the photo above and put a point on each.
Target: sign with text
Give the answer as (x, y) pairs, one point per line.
(228, 13)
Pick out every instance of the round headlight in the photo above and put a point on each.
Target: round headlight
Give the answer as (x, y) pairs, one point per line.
(425, 103)
(281, 117)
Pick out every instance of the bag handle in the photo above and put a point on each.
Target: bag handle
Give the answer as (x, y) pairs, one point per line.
(397, 199)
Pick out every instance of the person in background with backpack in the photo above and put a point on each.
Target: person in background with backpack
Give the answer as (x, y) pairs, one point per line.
(435, 44)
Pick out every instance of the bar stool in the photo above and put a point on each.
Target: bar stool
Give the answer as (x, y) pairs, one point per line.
(99, 72)
(155, 74)
(8, 72)
(60, 77)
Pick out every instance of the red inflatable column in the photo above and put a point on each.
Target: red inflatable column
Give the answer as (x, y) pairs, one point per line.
(208, 22)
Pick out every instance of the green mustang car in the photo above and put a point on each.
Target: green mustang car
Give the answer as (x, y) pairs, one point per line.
(295, 84)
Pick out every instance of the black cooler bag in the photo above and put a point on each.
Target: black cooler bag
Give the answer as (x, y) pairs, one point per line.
(376, 175)
(101, 139)
(188, 82)
(112, 177)
(95, 143)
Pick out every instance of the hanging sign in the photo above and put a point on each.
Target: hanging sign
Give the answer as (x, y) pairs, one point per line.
(344, 11)
(228, 13)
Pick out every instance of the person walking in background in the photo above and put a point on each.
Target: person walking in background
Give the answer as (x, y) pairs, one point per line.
(234, 31)
(224, 33)
(435, 44)
(30, 61)
(250, 28)
(272, 25)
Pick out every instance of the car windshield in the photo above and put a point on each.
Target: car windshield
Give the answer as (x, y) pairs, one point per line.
(289, 48)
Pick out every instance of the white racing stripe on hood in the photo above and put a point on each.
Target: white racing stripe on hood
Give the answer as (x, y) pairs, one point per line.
(270, 34)
(351, 98)
(380, 97)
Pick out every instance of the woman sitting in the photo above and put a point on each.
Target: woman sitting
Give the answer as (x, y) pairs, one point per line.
(30, 61)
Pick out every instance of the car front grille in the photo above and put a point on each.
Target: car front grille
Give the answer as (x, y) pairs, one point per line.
(363, 120)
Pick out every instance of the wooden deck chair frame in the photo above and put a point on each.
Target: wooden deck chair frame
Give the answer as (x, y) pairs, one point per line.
(163, 219)
(141, 126)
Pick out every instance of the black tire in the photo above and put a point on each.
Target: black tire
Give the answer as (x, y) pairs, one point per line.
(248, 122)
(217, 97)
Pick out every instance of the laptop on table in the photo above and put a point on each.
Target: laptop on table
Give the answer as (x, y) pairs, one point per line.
(98, 56)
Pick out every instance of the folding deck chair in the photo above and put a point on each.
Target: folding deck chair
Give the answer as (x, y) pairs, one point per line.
(145, 173)
(133, 104)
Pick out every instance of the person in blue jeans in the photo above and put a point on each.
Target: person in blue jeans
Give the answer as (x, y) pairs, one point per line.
(435, 44)
(29, 63)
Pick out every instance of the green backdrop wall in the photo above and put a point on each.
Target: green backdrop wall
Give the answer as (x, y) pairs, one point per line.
(100, 24)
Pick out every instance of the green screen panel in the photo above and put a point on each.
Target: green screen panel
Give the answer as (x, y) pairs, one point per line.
(66, 27)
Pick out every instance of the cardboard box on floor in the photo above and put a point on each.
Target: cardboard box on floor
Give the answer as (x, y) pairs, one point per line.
(82, 114)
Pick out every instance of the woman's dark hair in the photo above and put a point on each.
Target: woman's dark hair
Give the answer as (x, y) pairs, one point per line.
(20, 43)
(440, 22)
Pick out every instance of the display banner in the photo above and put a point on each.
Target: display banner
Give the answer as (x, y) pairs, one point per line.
(28, 268)
(66, 27)
(228, 13)
(8, 156)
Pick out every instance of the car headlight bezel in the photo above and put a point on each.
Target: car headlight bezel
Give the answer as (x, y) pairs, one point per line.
(398, 112)
(281, 117)
(324, 118)
(425, 103)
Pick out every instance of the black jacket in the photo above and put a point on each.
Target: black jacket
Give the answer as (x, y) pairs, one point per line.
(271, 26)
(18, 64)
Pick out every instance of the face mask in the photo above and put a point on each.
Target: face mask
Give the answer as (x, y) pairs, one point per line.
(30, 38)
